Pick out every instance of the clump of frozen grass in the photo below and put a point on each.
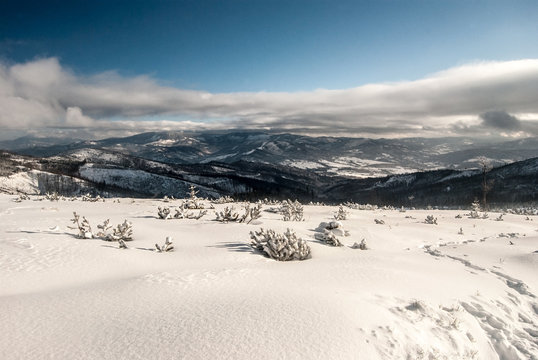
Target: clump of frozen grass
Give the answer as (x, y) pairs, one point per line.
(292, 210)
(341, 214)
(430, 220)
(281, 247)
(166, 247)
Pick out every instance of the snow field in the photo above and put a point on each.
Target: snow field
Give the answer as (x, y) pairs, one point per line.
(420, 291)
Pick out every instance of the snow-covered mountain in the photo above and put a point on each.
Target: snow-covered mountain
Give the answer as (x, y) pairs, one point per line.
(326, 156)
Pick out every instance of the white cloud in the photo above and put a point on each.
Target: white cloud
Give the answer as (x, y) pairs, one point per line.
(43, 94)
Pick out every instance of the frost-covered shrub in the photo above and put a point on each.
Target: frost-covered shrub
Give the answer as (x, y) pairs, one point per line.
(122, 244)
(182, 213)
(356, 206)
(227, 215)
(430, 220)
(361, 246)
(166, 247)
(21, 198)
(292, 210)
(52, 196)
(281, 247)
(251, 213)
(123, 231)
(164, 213)
(103, 230)
(84, 228)
(88, 197)
(328, 237)
(223, 200)
(341, 214)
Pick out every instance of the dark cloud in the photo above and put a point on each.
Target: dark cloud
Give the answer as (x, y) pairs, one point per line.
(500, 120)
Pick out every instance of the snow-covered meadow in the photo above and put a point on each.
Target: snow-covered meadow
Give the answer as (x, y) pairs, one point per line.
(462, 289)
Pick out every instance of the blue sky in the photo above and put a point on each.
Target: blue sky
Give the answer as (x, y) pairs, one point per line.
(60, 61)
(229, 46)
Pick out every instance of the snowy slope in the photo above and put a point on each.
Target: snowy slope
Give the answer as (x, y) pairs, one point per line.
(420, 292)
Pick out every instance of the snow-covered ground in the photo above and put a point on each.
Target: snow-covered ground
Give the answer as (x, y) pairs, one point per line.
(420, 291)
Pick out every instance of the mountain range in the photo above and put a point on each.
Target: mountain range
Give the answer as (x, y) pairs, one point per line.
(410, 171)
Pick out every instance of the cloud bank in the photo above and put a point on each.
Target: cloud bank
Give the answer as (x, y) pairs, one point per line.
(483, 98)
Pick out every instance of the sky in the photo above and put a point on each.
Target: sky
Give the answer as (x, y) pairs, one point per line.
(355, 68)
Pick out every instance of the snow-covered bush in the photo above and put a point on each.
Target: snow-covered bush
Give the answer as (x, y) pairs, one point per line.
(164, 213)
(21, 198)
(223, 200)
(361, 246)
(166, 247)
(123, 231)
(461, 231)
(328, 237)
(227, 215)
(122, 244)
(292, 210)
(251, 213)
(356, 206)
(84, 228)
(341, 214)
(430, 220)
(281, 247)
(52, 196)
(379, 222)
(103, 230)
(88, 197)
(182, 213)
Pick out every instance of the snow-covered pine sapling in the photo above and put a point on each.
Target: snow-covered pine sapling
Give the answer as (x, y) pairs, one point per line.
(123, 231)
(193, 202)
(223, 200)
(84, 228)
(292, 210)
(52, 196)
(227, 215)
(475, 208)
(341, 214)
(164, 213)
(166, 247)
(379, 222)
(430, 220)
(21, 198)
(103, 230)
(500, 218)
(281, 247)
